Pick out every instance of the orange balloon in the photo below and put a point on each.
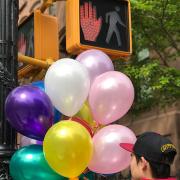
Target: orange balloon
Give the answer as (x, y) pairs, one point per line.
(74, 178)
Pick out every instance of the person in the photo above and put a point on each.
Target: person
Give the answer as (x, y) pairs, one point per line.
(113, 18)
(151, 157)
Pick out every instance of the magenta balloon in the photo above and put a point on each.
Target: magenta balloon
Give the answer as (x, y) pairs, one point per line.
(111, 96)
(108, 156)
(25, 141)
(96, 62)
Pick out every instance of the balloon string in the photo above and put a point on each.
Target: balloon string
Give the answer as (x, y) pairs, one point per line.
(64, 117)
(97, 127)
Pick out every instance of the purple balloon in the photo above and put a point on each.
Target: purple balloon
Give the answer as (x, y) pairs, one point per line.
(25, 141)
(96, 62)
(30, 111)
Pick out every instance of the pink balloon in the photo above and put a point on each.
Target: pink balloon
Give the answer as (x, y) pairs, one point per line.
(108, 156)
(96, 62)
(25, 141)
(110, 97)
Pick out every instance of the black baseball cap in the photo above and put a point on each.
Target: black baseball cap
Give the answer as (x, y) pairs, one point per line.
(153, 147)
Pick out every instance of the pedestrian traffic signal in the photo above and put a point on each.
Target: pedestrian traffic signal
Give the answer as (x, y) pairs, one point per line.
(99, 24)
(38, 36)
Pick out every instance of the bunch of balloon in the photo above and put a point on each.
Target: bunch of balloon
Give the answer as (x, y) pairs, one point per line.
(69, 83)
(87, 90)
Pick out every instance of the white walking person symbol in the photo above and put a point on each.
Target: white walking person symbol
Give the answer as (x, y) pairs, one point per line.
(113, 19)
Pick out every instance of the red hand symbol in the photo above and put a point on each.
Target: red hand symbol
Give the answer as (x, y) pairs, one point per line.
(90, 25)
(22, 44)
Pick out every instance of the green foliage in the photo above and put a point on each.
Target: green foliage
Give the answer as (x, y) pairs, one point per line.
(154, 84)
(156, 28)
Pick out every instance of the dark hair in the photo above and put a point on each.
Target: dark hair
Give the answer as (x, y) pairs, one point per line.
(159, 170)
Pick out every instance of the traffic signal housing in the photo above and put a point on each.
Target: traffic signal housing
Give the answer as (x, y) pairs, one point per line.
(38, 36)
(99, 24)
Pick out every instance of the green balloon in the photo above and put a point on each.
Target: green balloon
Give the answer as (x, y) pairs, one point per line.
(89, 175)
(29, 163)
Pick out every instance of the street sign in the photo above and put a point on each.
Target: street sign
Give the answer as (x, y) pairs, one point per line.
(38, 36)
(99, 24)
(143, 54)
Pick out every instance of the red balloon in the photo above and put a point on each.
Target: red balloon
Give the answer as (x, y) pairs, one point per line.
(83, 123)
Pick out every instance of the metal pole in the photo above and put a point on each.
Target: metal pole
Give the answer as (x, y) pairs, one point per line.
(33, 61)
(8, 78)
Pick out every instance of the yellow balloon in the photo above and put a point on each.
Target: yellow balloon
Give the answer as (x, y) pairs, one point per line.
(85, 114)
(68, 148)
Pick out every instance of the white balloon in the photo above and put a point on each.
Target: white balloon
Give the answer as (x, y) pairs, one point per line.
(67, 84)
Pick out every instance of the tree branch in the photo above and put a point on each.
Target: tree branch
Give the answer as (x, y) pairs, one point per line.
(164, 9)
(169, 37)
(155, 47)
(163, 29)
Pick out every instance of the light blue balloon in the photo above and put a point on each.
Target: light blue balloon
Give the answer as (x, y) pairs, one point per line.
(57, 114)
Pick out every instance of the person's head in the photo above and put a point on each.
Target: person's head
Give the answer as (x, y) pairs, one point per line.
(152, 155)
(117, 8)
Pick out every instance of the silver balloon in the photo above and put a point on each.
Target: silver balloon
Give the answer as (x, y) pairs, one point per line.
(67, 84)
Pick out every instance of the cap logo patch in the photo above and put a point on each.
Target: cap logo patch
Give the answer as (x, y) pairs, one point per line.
(167, 146)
